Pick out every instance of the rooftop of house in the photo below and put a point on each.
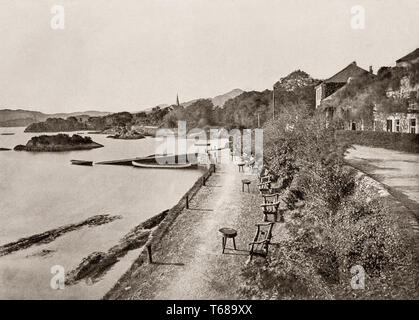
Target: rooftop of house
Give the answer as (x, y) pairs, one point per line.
(411, 56)
(351, 71)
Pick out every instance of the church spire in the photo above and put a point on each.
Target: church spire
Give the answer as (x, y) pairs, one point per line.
(177, 100)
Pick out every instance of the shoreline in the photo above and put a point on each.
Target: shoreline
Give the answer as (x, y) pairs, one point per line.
(162, 227)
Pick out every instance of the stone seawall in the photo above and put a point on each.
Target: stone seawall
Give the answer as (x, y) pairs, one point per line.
(159, 231)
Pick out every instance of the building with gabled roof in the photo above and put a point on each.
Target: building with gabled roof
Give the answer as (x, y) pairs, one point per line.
(329, 86)
(408, 60)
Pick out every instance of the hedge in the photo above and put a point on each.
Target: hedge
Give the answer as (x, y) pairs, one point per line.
(408, 142)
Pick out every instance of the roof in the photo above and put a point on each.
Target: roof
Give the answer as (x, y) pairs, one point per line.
(411, 56)
(342, 76)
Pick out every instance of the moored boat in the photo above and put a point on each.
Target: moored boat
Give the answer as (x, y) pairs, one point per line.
(82, 162)
(161, 166)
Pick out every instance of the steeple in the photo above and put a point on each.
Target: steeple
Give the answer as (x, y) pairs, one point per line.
(177, 100)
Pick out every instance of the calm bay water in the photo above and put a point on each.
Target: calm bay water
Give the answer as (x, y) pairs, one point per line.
(42, 191)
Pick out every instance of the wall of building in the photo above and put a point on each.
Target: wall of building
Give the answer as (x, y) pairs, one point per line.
(400, 122)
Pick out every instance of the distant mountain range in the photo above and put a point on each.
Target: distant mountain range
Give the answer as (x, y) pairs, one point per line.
(218, 101)
(23, 118)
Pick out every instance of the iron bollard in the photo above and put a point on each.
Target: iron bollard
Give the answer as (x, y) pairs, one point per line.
(150, 258)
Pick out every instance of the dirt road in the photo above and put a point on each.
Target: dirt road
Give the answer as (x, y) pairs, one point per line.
(399, 171)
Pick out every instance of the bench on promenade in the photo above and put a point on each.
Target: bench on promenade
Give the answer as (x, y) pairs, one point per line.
(262, 239)
(270, 205)
(264, 184)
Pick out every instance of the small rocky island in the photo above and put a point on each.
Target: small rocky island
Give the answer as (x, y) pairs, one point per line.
(126, 134)
(59, 142)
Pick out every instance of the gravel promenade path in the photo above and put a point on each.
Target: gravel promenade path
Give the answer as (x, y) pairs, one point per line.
(188, 263)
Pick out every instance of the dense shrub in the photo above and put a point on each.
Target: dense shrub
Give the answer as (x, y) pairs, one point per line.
(341, 225)
(408, 142)
(298, 141)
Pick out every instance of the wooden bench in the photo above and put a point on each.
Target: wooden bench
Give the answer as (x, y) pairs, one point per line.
(270, 205)
(262, 239)
(264, 184)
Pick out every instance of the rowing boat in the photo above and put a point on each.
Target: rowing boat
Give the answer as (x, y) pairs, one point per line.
(161, 166)
(82, 162)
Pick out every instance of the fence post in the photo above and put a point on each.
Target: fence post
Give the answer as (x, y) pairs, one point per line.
(187, 201)
(150, 258)
(203, 180)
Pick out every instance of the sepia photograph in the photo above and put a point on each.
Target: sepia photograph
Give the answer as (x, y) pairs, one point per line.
(209, 155)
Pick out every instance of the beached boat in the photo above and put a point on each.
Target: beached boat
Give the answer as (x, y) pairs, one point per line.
(202, 144)
(161, 166)
(82, 162)
(7, 134)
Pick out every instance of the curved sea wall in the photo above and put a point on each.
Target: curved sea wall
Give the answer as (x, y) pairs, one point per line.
(169, 216)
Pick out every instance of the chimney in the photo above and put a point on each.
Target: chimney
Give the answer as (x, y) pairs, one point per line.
(371, 70)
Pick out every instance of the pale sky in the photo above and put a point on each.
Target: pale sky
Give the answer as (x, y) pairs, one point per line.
(116, 55)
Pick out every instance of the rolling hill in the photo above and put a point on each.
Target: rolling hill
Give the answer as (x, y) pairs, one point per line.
(23, 118)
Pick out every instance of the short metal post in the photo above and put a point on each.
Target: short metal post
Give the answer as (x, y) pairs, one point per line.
(150, 258)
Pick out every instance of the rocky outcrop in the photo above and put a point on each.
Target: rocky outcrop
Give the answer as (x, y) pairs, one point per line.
(126, 134)
(59, 142)
(95, 265)
(51, 235)
(148, 131)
